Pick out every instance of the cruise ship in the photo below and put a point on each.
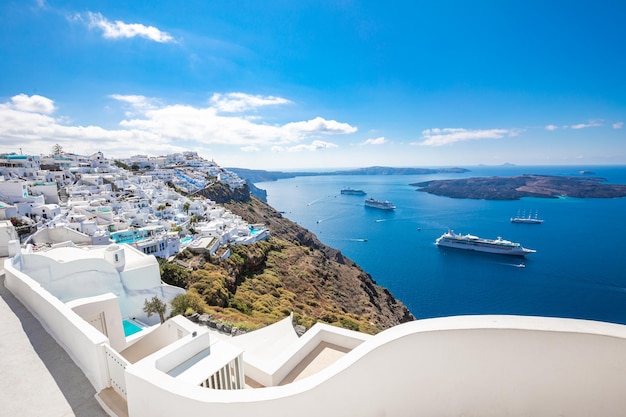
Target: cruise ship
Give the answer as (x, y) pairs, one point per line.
(475, 243)
(352, 191)
(383, 205)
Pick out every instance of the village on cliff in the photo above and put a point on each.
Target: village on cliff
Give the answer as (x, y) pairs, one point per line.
(79, 241)
(66, 198)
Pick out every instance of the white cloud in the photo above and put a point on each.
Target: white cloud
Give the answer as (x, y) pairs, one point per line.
(313, 146)
(154, 128)
(378, 141)
(119, 29)
(36, 131)
(618, 125)
(32, 104)
(586, 125)
(319, 126)
(239, 102)
(139, 101)
(136, 102)
(551, 127)
(206, 126)
(446, 136)
(250, 148)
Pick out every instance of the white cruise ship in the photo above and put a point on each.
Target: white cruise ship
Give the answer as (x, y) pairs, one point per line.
(383, 205)
(352, 191)
(475, 243)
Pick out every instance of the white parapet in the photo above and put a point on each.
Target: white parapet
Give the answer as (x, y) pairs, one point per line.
(473, 365)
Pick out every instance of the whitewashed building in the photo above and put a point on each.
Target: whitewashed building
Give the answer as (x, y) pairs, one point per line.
(470, 365)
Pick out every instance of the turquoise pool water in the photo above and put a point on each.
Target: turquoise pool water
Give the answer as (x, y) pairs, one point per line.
(127, 240)
(127, 236)
(130, 328)
(186, 240)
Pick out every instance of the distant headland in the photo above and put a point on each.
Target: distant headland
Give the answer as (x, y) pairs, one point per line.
(514, 188)
(257, 175)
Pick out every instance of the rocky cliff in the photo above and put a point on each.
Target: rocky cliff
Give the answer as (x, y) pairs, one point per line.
(334, 279)
(292, 272)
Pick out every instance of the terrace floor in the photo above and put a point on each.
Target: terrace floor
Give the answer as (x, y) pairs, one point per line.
(38, 377)
(320, 358)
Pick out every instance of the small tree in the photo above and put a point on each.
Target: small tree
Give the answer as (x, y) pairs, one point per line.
(188, 303)
(121, 164)
(186, 206)
(155, 306)
(57, 150)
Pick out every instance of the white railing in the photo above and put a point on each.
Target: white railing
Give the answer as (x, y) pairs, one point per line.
(229, 377)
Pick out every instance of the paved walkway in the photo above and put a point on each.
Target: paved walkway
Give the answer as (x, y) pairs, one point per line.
(37, 377)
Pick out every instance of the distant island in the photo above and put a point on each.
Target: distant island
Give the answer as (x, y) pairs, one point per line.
(514, 188)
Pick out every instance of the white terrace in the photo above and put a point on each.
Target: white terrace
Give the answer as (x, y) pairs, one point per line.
(472, 365)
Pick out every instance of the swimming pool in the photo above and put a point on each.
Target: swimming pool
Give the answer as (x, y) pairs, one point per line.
(130, 327)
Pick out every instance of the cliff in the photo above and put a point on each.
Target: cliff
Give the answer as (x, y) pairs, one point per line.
(292, 272)
(221, 193)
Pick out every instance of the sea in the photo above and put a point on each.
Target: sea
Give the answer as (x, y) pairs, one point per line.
(578, 271)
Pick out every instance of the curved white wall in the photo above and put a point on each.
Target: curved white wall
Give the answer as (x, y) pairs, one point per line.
(77, 278)
(478, 365)
(81, 341)
(80, 278)
(60, 234)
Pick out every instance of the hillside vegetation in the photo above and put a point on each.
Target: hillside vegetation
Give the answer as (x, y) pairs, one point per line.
(291, 272)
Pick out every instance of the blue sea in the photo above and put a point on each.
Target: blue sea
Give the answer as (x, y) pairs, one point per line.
(578, 271)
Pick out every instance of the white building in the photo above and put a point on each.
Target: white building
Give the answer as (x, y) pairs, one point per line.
(14, 190)
(46, 188)
(46, 211)
(23, 166)
(472, 365)
(7, 234)
(7, 211)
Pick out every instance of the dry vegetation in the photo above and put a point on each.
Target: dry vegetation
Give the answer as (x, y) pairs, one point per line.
(292, 272)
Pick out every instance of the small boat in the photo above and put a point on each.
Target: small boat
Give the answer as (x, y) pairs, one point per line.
(378, 204)
(352, 191)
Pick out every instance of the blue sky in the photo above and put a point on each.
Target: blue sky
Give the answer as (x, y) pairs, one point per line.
(282, 84)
